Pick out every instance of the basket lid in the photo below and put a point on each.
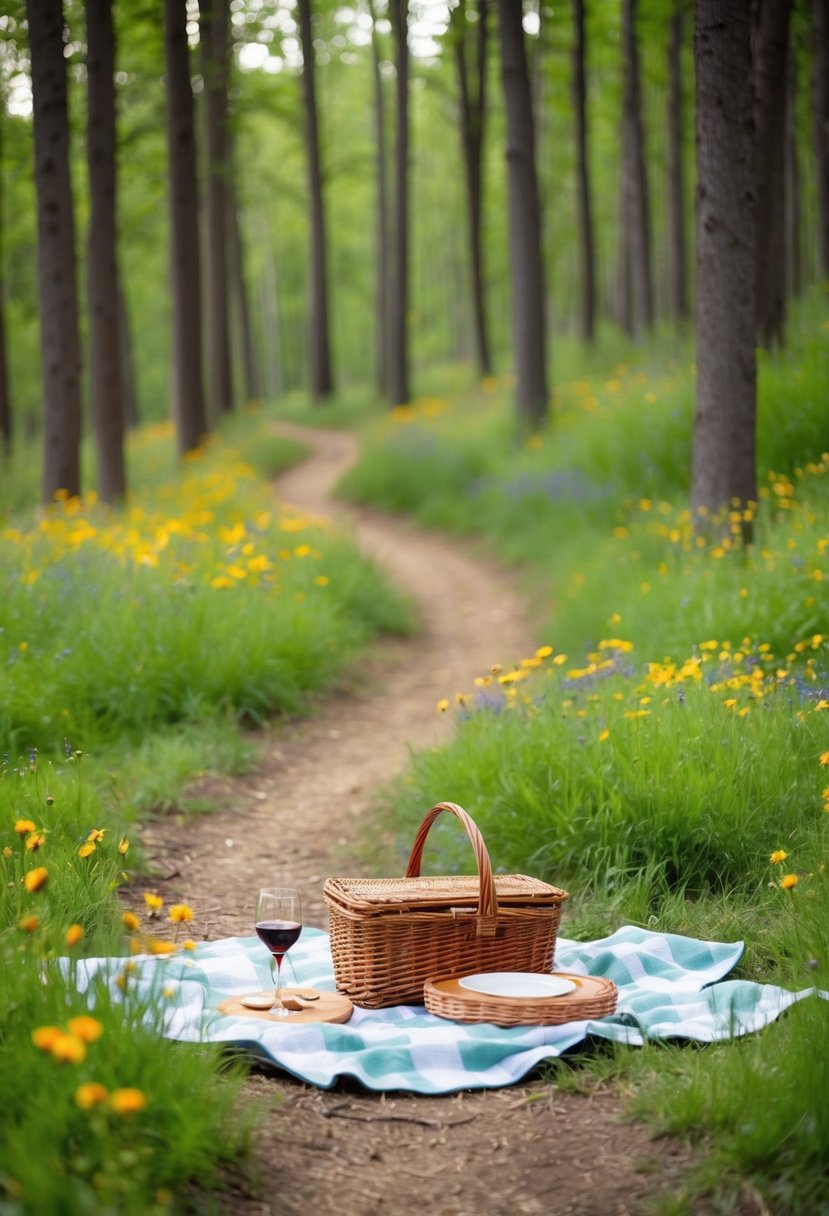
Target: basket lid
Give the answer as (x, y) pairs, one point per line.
(376, 896)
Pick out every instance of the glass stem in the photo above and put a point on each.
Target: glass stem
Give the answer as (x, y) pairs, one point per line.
(277, 996)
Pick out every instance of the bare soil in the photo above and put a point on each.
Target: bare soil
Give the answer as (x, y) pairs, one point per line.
(526, 1149)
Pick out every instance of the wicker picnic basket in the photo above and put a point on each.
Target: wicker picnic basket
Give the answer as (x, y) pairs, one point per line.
(389, 935)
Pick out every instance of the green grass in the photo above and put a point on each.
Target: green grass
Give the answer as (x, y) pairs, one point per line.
(672, 733)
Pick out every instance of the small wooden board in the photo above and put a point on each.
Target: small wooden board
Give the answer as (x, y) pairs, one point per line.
(331, 1007)
(593, 997)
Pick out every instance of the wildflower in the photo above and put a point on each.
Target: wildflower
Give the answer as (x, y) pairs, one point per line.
(543, 652)
(35, 841)
(68, 1048)
(604, 735)
(157, 946)
(321, 580)
(777, 856)
(91, 1093)
(24, 826)
(96, 834)
(73, 935)
(44, 1036)
(824, 758)
(131, 921)
(127, 1101)
(730, 702)
(822, 704)
(123, 846)
(87, 848)
(29, 923)
(154, 902)
(443, 705)
(788, 881)
(6, 852)
(188, 945)
(35, 879)
(179, 913)
(86, 1028)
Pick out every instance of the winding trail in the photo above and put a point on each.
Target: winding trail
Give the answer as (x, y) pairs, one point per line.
(527, 1149)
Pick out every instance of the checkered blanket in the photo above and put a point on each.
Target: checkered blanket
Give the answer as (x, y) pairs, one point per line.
(669, 987)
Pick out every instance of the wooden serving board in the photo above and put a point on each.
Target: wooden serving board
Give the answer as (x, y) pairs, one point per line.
(331, 1007)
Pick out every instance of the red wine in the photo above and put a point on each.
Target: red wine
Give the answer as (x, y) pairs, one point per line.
(278, 935)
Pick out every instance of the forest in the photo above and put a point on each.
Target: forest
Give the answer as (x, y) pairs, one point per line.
(563, 271)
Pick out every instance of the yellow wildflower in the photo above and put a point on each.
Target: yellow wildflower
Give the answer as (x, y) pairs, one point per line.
(788, 881)
(29, 923)
(73, 935)
(179, 913)
(157, 946)
(24, 826)
(777, 856)
(154, 902)
(123, 845)
(86, 1028)
(824, 758)
(443, 705)
(604, 735)
(36, 878)
(96, 834)
(127, 1101)
(68, 1049)
(35, 841)
(91, 1093)
(87, 848)
(44, 1036)
(131, 921)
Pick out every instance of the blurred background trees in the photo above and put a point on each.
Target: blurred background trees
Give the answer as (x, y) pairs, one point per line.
(311, 186)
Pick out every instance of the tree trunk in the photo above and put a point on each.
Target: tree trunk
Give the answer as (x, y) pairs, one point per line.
(399, 299)
(725, 421)
(634, 172)
(676, 171)
(472, 115)
(585, 210)
(319, 348)
(381, 302)
(185, 267)
(57, 288)
(6, 422)
(794, 250)
(820, 25)
(106, 381)
(129, 390)
(250, 370)
(526, 266)
(770, 59)
(215, 52)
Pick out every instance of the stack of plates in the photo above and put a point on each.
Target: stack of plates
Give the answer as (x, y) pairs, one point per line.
(520, 998)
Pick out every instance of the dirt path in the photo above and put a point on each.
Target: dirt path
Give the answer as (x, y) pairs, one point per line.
(525, 1149)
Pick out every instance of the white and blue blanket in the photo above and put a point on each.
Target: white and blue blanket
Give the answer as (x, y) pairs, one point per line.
(670, 987)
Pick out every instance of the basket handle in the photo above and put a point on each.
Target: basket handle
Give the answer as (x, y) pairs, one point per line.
(488, 901)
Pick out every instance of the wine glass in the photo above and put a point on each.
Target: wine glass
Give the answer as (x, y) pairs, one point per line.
(278, 925)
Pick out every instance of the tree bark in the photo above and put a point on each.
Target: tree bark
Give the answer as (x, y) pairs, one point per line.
(723, 466)
(472, 117)
(185, 267)
(106, 380)
(381, 291)
(319, 347)
(794, 249)
(213, 22)
(526, 265)
(636, 213)
(585, 210)
(129, 387)
(399, 298)
(770, 59)
(6, 417)
(57, 287)
(676, 170)
(820, 26)
(250, 369)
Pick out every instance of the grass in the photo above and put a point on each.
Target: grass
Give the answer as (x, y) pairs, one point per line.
(665, 752)
(139, 645)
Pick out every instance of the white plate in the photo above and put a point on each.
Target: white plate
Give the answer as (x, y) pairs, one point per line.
(517, 983)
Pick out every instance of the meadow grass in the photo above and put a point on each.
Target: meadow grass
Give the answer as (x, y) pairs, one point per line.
(138, 642)
(664, 754)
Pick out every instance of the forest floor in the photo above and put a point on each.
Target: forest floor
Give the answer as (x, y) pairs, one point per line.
(297, 819)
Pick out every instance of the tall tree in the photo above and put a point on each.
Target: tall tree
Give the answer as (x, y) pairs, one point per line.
(820, 27)
(725, 421)
(399, 296)
(381, 290)
(59, 338)
(106, 375)
(676, 171)
(636, 226)
(250, 368)
(770, 60)
(585, 208)
(472, 97)
(185, 266)
(215, 53)
(794, 247)
(319, 346)
(6, 423)
(526, 264)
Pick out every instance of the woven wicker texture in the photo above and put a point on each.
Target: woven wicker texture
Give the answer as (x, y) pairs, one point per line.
(389, 935)
(594, 997)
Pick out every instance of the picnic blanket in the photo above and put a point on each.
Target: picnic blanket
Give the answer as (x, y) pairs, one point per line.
(670, 987)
